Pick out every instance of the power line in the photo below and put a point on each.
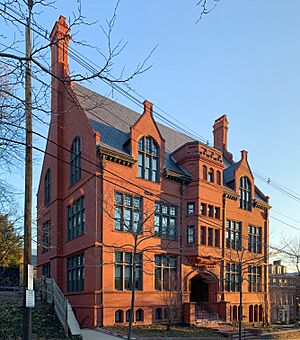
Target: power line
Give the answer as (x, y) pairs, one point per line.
(117, 184)
(83, 61)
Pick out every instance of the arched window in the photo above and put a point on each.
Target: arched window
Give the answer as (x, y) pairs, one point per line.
(75, 163)
(204, 172)
(245, 193)
(261, 312)
(218, 177)
(251, 313)
(255, 313)
(211, 175)
(158, 314)
(128, 316)
(139, 315)
(47, 187)
(119, 316)
(148, 160)
(234, 313)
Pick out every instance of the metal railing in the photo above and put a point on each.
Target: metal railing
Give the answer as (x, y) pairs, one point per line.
(48, 291)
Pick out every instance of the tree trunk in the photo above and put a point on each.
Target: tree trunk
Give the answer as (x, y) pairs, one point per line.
(132, 293)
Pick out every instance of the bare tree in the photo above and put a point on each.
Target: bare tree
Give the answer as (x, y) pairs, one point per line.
(172, 300)
(291, 245)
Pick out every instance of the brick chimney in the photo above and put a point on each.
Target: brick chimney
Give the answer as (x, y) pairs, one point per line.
(220, 133)
(60, 39)
(220, 136)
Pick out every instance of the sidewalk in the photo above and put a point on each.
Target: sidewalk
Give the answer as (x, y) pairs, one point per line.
(91, 334)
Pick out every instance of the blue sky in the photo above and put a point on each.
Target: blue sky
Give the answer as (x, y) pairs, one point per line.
(242, 60)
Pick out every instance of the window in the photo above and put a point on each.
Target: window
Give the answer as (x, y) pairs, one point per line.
(254, 278)
(139, 315)
(75, 163)
(232, 277)
(190, 234)
(46, 241)
(46, 271)
(210, 210)
(211, 175)
(165, 272)
(191, 208)
(75, 273)
(204, 169)
(203, 235)
(218, 177)
(47, 197)
(158, 314)
(119, 316)
(203, 209)
(148, 159)
(165, 221)
(76, 219)
(128, 213)
(254, 239)
(217, 238)
(128, 316)
(123, 271)
(217, 212)
(210, 237)
(233, 234)
(245, 193)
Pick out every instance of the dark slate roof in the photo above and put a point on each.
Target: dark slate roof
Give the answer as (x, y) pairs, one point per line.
(113, 121)
(228, 173)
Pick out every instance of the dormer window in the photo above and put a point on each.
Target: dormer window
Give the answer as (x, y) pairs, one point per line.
(148, 159)
(245, 193)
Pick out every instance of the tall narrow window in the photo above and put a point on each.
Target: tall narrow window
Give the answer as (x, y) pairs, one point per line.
(46, 240)
(203, 235)
(232, 277)
(254, 278)
(46, 270)
(47, 187)
(204, 170)
(218, 177)
(165, 221)
(245, 193)
(211, 175)
(124, 271)
(75, 163)
(148, 159)
(190, 234)
(254, 239)
(76, 219)
(233, 234)
(165, 272)
(128, 213)
(75, 273)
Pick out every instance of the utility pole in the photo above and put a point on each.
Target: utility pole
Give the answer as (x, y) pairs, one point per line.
(241, 299)
(27, 319)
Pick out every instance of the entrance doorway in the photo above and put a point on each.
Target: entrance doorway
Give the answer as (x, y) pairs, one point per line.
(199, 290)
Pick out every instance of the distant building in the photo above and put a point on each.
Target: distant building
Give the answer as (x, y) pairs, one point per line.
(283, 294)
(109, 170)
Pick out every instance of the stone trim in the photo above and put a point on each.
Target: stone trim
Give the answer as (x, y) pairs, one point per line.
(116, 157)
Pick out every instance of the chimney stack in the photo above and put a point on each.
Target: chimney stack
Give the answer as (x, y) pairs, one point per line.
(60, 39)
(220, 133)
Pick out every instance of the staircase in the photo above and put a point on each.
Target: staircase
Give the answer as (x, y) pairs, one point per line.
(204, 316)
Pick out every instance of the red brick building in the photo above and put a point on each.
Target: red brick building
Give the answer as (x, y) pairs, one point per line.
(109, 171)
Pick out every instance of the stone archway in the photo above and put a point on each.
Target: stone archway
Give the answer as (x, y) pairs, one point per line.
(199, 292)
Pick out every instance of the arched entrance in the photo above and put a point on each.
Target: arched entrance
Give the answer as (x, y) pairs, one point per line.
(199, 292)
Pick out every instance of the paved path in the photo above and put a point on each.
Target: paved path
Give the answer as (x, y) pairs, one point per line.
(91, 334)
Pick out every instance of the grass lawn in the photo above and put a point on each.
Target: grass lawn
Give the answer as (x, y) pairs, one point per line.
(161, 331)
(45, 324)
